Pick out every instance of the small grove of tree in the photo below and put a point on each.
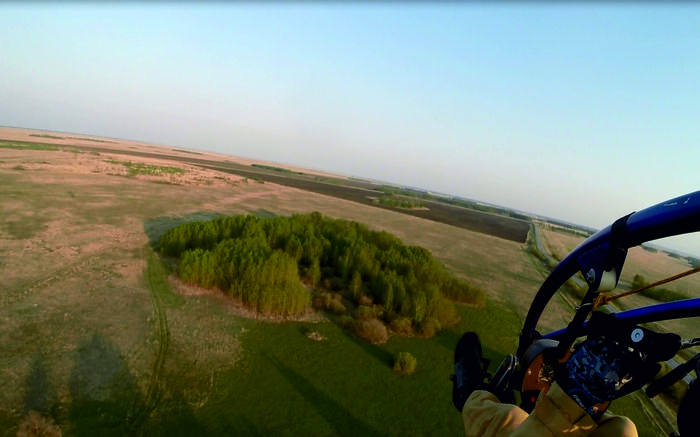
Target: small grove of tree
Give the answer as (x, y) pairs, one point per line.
(660, 294)
(263, 261)
(400, 203)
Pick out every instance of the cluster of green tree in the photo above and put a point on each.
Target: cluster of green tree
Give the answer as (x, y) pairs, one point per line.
(261, 262)
(326, 180)
(410, 192)
(649, 248)
(137, 168)
(694, 262)
(566, 228)
(27, 145)
(398, 202)
(660, 294)
(187, 151)
(46, 136)
(94, 140)
(673, 254)
(277, 169)
(393, 191)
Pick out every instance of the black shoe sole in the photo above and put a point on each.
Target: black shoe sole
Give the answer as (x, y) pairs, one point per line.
(470, 369)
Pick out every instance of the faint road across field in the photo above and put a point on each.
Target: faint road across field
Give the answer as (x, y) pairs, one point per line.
(553, 261)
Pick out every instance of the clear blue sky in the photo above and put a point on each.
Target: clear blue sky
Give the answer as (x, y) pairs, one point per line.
(582, 111)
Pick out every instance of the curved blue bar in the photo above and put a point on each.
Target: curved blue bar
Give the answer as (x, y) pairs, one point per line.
(673, 217)
(679, 309)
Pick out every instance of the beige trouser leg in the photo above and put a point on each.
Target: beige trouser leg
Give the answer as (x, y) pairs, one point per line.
(555, 415)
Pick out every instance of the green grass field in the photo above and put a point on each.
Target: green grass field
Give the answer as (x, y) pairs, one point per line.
(288, 384)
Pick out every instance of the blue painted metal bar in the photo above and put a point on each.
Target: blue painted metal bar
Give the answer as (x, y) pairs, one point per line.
(679, 309)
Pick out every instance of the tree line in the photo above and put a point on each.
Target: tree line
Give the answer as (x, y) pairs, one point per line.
(660, 294)
(421, 194)
(399, 202)
(263, 261)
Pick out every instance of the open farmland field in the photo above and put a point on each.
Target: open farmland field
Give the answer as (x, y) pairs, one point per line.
(98, 334)
(318, 182)
(559, 244)
(491, 224)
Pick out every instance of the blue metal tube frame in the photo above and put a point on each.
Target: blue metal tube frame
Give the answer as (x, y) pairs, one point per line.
(679, 309)
(673, 217)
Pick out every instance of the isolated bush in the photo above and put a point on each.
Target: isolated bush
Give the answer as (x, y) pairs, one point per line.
(371, 330)
(315, 336)
(34, 424)
(405, 363)
(638, 282)
(401, 326)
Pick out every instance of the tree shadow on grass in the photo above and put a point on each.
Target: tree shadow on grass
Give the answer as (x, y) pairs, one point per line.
(448, 339)
(105, 397)
(344, 423)
(245, 428)
(383, 356)
(179, 420)
(155, 228)
(40, 393)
